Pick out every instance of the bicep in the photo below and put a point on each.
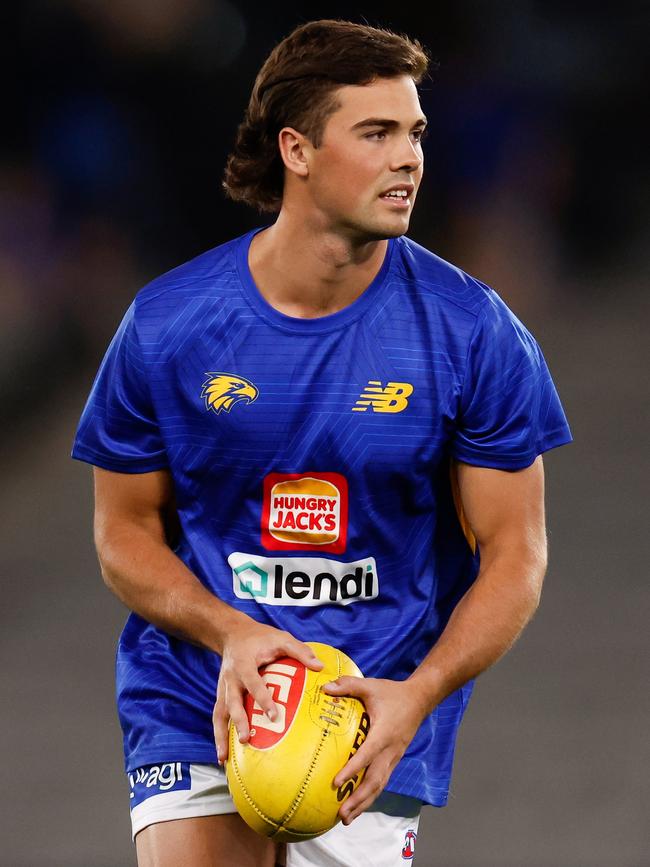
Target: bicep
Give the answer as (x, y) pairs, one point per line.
(505, 509)
(140, 499)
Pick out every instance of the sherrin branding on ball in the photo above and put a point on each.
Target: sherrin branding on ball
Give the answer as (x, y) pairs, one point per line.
(282, 780)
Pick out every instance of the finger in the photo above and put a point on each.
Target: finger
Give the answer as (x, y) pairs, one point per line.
(369, 789)
(220, 725)
(347, 685)
(303, 653)
(363, 757)
(349, 812)
(239, 719)
(263, 696)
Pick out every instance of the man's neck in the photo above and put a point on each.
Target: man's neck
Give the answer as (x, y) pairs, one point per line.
(307, 273)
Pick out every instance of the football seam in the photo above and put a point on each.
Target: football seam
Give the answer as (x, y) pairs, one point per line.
(248, 798)
(303, 788)
(301, 792)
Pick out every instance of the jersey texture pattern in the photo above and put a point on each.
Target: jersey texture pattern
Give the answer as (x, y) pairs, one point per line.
(310, 460)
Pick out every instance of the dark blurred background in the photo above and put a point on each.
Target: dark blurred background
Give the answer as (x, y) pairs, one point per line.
(117, 119)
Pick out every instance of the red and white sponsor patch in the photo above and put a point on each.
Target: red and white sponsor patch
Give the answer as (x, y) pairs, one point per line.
(308, 511)
(285, 678)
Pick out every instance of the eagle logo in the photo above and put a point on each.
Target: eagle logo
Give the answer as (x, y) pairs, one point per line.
(223, 390)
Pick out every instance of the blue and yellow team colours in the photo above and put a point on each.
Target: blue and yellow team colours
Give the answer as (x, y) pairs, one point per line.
(311, 464)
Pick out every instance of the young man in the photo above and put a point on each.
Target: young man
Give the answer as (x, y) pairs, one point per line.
(290, 433)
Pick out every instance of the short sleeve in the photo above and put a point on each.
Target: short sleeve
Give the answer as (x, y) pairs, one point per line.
(510, 411)
(118, 429)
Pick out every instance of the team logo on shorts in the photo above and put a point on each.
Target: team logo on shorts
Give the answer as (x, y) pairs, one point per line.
(223, 390)
(408, 850)
(393, 398)
(308, 511)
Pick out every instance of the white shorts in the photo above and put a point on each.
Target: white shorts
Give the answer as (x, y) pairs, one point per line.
(382, 837)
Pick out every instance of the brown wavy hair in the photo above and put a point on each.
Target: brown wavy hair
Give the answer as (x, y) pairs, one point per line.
(297, 86)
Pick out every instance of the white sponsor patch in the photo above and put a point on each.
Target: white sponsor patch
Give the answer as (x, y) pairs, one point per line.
(302, 581)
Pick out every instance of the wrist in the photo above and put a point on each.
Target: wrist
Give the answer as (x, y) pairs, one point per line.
(216, 622)
(427, 685)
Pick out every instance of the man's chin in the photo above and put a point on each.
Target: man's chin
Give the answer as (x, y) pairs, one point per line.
(396, 233)
(381, 230)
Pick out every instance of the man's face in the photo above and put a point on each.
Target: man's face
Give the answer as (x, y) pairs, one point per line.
(370, 145)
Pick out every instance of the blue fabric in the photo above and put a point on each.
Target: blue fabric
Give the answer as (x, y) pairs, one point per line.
(310, 460)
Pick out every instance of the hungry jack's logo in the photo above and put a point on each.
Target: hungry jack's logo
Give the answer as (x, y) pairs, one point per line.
(223, 390)
(306, 511)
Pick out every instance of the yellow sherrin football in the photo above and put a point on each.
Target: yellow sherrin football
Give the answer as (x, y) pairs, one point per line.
(282, 780)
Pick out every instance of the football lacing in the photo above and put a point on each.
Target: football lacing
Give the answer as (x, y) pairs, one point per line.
(333, 714)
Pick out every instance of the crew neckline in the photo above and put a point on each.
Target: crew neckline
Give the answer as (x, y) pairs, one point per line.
(318, 324)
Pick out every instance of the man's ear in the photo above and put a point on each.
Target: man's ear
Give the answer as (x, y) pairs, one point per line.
(294, 150)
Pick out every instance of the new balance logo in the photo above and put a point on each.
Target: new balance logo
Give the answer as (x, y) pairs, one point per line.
(393, 398)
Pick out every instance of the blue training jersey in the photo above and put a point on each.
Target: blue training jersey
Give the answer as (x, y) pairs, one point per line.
(311, 460)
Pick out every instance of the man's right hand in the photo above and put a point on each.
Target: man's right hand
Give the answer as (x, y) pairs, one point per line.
(248, 646)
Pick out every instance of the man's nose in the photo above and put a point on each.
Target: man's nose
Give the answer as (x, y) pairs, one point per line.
(407, 156)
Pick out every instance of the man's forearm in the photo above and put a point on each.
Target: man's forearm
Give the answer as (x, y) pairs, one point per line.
(151, 580)
(484, 624)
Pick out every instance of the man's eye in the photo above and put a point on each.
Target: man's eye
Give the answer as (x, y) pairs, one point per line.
(420, 134)
(380, 135)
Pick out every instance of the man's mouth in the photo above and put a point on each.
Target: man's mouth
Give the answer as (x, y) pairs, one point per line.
(397, 198)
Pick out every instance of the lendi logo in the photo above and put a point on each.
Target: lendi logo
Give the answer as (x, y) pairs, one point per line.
(393, 398)
(302, 581)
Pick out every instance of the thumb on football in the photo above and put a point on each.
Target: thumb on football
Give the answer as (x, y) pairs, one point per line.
(347, 685)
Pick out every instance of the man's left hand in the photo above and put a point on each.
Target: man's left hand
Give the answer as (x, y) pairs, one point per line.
(396, 711)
